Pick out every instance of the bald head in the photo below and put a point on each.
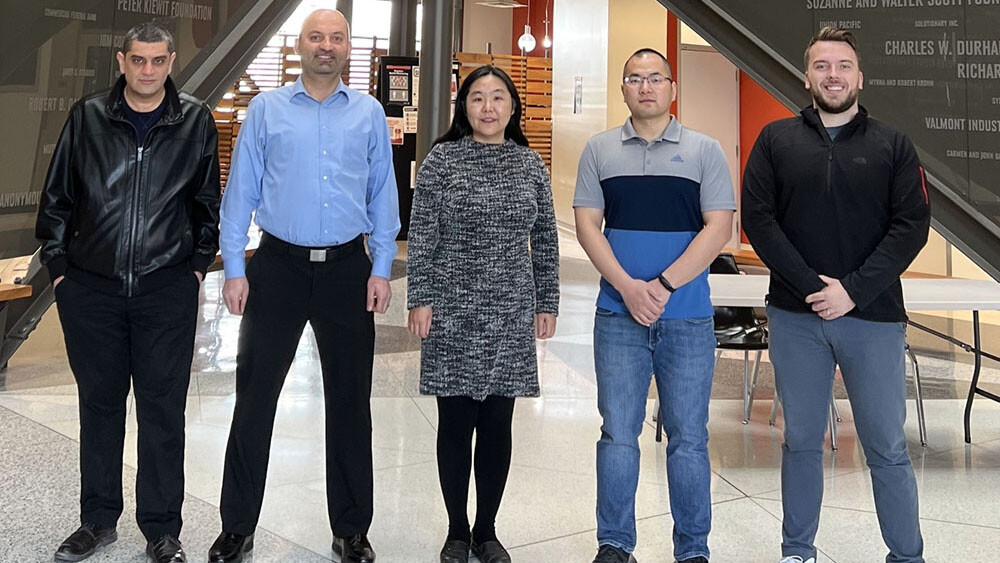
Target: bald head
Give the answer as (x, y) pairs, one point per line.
(324, 17)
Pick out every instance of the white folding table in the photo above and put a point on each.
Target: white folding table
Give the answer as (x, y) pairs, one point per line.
(919, 294)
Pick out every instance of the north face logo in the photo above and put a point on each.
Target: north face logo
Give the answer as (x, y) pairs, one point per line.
(860, 160)
(677, 158)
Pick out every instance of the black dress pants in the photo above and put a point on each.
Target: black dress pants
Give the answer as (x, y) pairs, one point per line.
(286, 290)
(146, 341)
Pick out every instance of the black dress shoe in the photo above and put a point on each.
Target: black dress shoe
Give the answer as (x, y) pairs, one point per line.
(166, 550)
(230, 548)
(355, 549)
(490, 552)
(455, 551)
(82, 543)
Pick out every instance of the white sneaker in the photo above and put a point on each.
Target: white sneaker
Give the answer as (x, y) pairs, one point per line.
(797, 559)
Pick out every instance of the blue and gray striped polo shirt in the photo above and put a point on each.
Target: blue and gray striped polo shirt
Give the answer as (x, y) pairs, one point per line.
(653, 195)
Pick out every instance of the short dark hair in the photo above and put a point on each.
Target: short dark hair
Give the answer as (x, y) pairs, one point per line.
(149, 32)
(460, 126)
(829, 33)
(649, 51)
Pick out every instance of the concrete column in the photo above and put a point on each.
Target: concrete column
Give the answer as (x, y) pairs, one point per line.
(403, 28)
(346, 7)
(458, 29)
(434, 113)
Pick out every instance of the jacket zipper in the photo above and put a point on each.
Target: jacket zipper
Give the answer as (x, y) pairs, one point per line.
(133, 227)
(829, 169)
(135, 188)
(134, 224)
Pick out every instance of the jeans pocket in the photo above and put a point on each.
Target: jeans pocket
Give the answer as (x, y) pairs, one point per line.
(698, 321)
(604, 312)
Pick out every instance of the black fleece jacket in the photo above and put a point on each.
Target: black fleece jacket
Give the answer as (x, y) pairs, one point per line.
(855, 208)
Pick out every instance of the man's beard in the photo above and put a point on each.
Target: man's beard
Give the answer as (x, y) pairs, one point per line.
(830, 108)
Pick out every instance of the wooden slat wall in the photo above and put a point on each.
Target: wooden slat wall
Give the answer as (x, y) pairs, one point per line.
(229, 114)
(533, 78)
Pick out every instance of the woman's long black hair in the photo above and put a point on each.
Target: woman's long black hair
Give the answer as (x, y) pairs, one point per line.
(460, 126)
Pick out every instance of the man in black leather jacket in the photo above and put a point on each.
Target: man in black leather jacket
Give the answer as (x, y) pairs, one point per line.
(128, 222)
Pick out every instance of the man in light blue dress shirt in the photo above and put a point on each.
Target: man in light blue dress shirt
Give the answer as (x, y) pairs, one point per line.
(313, 160)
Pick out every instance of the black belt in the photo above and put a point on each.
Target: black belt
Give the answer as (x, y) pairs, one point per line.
(312, 253)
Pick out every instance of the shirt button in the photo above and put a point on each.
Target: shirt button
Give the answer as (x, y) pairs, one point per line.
(324, 176)
(325, 231)
(326, 205)
(324, 152)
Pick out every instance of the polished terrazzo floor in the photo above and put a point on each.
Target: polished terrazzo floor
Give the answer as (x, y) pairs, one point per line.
(548, 510)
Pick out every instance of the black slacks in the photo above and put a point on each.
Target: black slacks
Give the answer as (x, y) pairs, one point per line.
(147, 342)
(286, 290)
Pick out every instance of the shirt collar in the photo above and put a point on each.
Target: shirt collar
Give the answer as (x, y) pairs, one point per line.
(672, 132)
(299, 88)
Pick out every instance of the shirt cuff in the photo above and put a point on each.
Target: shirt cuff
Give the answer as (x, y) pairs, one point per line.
(234, 265)
(382, 266)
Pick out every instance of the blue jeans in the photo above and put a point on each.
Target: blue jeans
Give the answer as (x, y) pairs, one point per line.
(680, 353)
(805, 350)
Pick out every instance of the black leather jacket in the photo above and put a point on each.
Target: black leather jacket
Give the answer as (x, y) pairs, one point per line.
(128, 216)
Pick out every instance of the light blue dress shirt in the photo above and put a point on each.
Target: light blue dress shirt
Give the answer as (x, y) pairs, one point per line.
(316, 173)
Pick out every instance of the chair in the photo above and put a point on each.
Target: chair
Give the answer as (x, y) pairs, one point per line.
(736, 328)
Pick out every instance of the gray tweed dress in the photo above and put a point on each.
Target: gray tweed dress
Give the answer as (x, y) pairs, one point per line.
(483, 253)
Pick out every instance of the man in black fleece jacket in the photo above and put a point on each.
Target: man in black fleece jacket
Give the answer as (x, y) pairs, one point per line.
(835, 204)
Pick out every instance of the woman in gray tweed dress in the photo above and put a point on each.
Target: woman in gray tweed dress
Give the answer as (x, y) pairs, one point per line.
(483, 284)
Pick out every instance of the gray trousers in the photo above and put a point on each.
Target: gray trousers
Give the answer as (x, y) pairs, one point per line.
(805, 351)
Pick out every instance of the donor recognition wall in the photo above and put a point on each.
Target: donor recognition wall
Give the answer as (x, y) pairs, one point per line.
(52, 52)
(931, 68)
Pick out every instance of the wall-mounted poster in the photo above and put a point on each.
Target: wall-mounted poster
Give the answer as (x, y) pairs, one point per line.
(416, 86)
(395, 125)
(409, 119)
(399, 84)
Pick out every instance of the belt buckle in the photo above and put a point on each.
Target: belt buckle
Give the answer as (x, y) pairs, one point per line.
(317, 255)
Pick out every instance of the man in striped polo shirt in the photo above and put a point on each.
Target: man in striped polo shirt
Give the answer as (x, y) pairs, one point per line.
(665, 197)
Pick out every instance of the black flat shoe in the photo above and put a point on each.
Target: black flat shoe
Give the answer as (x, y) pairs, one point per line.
(82, 543)
(490, 552)
(166, 550)
(455, 551)
(230, 548)
(355, 549)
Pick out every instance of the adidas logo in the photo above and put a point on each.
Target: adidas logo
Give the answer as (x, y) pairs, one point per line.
(677, 158)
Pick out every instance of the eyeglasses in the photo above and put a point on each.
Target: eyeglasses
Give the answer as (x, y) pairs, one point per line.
(654, 80)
